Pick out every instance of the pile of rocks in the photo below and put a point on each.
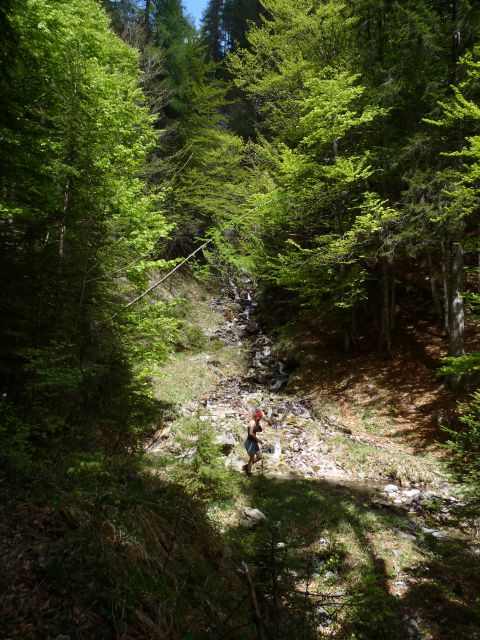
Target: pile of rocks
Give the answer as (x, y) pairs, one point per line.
(420, 501)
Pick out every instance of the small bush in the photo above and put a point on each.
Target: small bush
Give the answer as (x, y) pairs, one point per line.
(196, 338)
(464, 447)
(202, 472)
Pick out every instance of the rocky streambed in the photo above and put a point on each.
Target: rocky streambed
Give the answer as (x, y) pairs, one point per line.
(295, 442)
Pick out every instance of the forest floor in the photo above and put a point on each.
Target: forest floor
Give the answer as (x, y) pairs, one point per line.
(357, 502)
(350, 528)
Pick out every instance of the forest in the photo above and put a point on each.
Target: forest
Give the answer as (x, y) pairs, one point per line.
(270, 217)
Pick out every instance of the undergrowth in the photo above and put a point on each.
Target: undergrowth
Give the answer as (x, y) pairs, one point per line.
(121, 555)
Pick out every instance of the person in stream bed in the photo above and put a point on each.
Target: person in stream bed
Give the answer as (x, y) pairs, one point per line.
(252, 443)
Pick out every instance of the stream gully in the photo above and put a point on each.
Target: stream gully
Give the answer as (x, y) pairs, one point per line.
(290, 448)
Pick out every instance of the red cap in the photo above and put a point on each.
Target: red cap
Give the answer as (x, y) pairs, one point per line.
(258, 415)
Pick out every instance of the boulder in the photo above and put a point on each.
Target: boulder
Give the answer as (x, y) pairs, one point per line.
(407, 536)
(227, 443)
(251, 518)
(165, 433)
(391, 488)
(411, 493)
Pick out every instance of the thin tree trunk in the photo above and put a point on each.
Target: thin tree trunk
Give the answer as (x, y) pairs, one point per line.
(257, 616)
(456, 314)
(446, 284)
(385, 327)
(437, 303)
(66, 199)
(346, 339)
(83, 286)
(353, 325)
(392, 297)
(478, 267)
(456, 345)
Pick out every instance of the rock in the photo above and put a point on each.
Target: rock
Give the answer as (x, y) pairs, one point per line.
(411, 493)
(165, 433)
(381, 504)
(384, 566)
(329, 575)
(434, 532)
(281, 382)
(413, 628)
(406, 536)
(390, 488)
(439, 534)
(226, 448)
(226, 442)
(427, 530)
(251, 518)
(400, 584)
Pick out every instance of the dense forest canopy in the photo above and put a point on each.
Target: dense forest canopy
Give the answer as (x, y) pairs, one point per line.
(326, 150)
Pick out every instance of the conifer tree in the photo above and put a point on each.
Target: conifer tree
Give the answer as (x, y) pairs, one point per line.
(212, 29)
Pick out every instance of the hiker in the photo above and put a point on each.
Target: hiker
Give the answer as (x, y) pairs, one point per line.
(252, 443)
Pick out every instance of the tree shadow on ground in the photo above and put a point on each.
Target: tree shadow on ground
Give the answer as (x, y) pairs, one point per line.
(444, 590)
(351, 545)
(98, 558)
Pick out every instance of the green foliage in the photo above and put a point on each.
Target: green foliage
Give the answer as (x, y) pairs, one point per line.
(203, 473)
(464, 447)
(80, 229)
(373, 612)
(311, 236)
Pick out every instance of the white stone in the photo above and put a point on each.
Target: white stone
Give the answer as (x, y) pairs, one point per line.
(411, 493)
(390, 488)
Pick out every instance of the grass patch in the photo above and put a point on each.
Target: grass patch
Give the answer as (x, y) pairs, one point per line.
(200, 361)
(374, 423)
(378, 463)
(323, 406)
(189, 376)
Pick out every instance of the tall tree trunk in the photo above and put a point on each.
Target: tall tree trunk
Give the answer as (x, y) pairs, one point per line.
(349, 331)
(392, 297)
(456, 345)
(446, 284)
(478, 269)
(456, 314)
(146, 20)
(63, 228)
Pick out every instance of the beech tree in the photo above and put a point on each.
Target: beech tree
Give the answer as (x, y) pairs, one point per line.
(77, 219)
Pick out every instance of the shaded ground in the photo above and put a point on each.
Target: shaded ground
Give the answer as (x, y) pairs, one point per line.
(404, 392)
(343, 547)
(136, 557)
